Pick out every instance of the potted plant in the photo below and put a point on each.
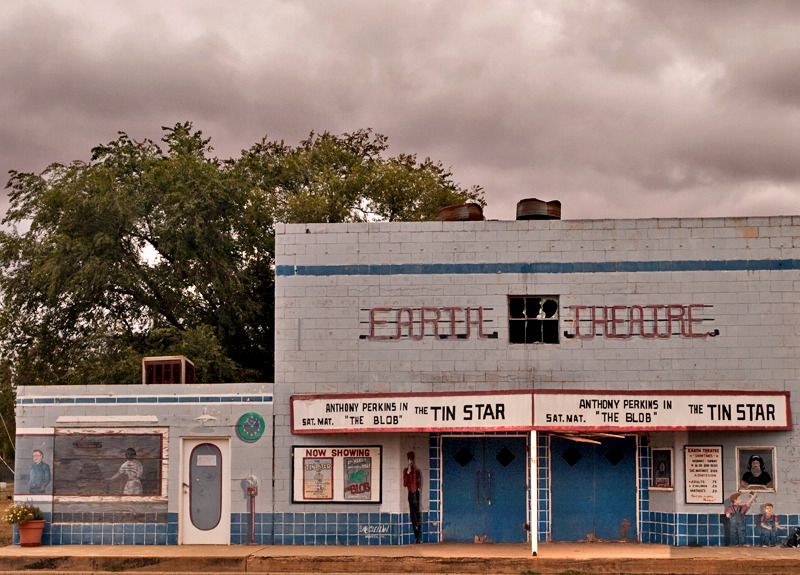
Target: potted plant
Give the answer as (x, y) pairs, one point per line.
(29, 520)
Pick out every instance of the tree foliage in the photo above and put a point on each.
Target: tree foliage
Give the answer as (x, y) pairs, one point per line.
(7, 421)
(164, 249)
(346, 178)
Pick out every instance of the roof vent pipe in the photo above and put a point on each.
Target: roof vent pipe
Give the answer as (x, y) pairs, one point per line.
(461, 213)
(533, 209)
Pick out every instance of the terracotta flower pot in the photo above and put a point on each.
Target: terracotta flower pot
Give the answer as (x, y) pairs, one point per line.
(30, 534)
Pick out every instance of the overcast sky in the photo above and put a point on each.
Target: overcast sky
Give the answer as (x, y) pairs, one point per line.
(617, 109)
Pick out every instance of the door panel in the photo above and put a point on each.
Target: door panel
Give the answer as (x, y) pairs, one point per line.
(205, 494)
(572, 489)
(593, 489)
(484, 489)
(462, 506)
(615, 489)
(205, 473)
(506, 459)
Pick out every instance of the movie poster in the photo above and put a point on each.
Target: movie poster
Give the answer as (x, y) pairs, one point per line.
(317, 478)
(357, 478)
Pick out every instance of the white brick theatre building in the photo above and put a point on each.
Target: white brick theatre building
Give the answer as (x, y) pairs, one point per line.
(557, 381)
(606, 379)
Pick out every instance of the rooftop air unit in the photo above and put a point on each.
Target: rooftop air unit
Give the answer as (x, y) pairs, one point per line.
(461, 213)
(533, 209)
(169, 369)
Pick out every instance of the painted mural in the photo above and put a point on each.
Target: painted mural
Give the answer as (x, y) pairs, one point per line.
(103, 464)
(34, 465)
(755, 468)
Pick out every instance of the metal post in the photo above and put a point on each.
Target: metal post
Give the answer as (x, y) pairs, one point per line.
(251, 491)
(534, 495)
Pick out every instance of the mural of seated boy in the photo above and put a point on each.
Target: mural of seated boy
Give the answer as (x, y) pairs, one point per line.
(768, 526)
(736, 513)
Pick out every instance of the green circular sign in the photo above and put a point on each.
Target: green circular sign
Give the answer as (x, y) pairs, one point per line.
(251, 426)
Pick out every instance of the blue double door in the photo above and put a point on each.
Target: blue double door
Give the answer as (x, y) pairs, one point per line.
(593, 489)
(484, 489)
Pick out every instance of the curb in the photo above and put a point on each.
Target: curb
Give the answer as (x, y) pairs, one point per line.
(400, 565)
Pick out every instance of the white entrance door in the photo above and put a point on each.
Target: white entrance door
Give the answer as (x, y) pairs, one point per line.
(206, 491)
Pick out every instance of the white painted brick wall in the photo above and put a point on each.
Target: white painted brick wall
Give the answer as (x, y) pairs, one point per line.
(757, 312)
(246, 458)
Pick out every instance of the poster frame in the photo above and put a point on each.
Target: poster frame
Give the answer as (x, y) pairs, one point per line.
(662, 455)
(714, 499)
(337, 455)
(767, 454)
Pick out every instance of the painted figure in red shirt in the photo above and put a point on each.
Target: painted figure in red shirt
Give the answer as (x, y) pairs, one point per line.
(412, 480)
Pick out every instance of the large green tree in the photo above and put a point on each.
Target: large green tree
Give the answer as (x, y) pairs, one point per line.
(7, 421)
(153, 249)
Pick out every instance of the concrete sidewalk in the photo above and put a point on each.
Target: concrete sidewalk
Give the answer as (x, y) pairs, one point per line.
(628, 558)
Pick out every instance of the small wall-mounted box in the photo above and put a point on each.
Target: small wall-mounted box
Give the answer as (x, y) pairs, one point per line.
(168, 369)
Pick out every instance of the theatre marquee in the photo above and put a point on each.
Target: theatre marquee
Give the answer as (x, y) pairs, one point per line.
(546, 410)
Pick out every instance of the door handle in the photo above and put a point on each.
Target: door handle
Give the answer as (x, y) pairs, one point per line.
(489, 487)
(477, 487)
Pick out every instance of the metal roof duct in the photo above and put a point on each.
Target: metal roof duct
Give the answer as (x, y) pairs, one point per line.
(461, 213)
(533, 209)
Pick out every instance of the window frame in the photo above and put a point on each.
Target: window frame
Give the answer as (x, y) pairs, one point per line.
(545, 334)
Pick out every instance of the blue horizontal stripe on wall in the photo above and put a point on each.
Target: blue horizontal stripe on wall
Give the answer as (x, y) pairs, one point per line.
(128, 399)
(540, 268)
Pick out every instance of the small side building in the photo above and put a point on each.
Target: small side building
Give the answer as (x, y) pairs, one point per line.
(159, 464)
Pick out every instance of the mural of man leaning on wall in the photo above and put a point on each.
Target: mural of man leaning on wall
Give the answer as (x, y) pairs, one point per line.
(34, 477)
(39, 476)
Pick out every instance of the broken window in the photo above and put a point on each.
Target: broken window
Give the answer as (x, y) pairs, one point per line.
(533, 319)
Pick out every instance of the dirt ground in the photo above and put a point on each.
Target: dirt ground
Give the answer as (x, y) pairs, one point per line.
(6, 530)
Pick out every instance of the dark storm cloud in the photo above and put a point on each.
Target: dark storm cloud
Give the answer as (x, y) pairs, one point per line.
(618, 109)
